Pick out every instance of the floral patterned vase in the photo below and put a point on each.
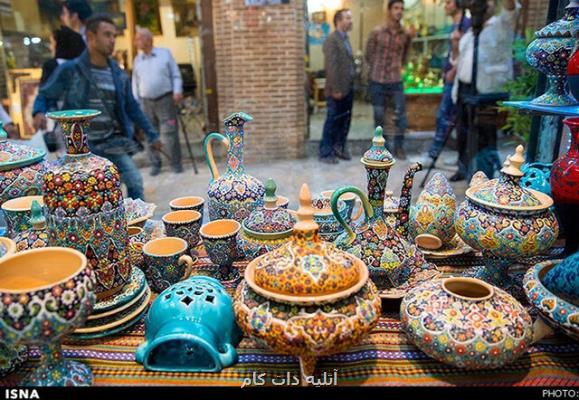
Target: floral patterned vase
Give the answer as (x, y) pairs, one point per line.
(46, 294)
(550, 52)
(37, 236)
(565, 188)
(85, 205)
(434, 211)
(466, 323)
(235, 194)
(307, 298)
(21, 169)
(506, 222)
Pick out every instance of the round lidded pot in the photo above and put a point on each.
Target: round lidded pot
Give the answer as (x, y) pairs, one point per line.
(267, 227)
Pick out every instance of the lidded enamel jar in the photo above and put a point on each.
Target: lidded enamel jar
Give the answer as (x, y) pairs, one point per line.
(506, 221)
(21, 169)
(307, 298)
(83, 197)
(190, 327)
(235, 194)
(466, 322)
(267, 227)
(432, 217)
(550, 52)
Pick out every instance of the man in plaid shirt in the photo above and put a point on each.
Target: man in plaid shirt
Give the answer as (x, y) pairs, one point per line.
(386, 53)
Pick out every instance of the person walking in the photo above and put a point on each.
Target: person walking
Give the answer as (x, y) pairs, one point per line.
(386, 54)
(66, 44)
(95, 81)
(494, 69)
(74, 14)
(339, 90)
(447, 110)
(158, 86)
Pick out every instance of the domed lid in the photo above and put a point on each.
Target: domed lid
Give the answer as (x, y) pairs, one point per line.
(270, 218)
(506, 193)
(438, 185)
(306, 269)
(378, 155)
(14, 155)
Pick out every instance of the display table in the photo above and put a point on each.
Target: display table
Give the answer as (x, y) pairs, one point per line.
(384, 358)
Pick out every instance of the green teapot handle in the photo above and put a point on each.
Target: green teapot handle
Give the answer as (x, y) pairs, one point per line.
(368, 210)
(209, 151)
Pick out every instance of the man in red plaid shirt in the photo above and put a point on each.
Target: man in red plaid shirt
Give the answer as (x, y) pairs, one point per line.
(386, 54)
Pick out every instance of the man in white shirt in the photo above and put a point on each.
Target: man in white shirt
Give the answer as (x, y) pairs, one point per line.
(494, 69)
(158, 86)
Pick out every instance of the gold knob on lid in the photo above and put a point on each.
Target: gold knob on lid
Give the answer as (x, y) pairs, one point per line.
(306, 212)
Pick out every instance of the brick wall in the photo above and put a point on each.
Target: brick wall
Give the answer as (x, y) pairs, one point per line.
(536, 13)
(261, 71)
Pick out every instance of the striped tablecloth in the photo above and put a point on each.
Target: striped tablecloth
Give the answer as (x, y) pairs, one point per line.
(385, 357)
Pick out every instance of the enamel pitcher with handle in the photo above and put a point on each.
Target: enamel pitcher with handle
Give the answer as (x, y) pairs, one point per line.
(391, 259)
(235, 194)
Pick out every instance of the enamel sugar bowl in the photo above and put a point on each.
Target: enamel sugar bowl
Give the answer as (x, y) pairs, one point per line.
(506, 222)
(266, 228)
(466, 322)
(307, 298)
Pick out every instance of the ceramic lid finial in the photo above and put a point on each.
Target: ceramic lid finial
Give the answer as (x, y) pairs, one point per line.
(378, 139)
(3, 133)
(306, 211)
(37, 219)
(270, 197)
(512, 165)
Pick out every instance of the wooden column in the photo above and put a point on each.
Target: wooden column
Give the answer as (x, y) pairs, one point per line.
(131, 25)
(208, 67)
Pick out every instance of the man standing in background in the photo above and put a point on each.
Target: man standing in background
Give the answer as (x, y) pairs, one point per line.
(386, 54)
(95, 81)
(74, 14)
(339, 90)
(447, 109)
(158, 86)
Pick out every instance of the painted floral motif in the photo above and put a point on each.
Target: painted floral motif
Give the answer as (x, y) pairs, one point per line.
(31, 239)
(17, 222)
(188, 231)
(555, 311)
(11, 358)
(222, 251)
(505, 191)
(62, 307)
(467, 333)
(235, 194)
(329, 227)
(83, 196)
(505, 235)
(305, 331)
(253, 247)
(434, 210)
